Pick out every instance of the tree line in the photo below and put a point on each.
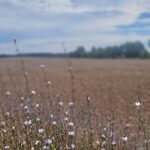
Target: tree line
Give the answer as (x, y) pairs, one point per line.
(126, 50)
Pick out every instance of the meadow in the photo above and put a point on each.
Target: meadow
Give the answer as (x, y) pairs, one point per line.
(82, 104)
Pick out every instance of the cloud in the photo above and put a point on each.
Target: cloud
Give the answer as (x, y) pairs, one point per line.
(38, 22)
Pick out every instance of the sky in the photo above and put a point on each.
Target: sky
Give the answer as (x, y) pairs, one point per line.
(42, 25)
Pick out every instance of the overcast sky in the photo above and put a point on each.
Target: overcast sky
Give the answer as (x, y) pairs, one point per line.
(41, 25)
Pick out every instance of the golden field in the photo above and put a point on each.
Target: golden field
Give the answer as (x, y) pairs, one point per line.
(86, 104)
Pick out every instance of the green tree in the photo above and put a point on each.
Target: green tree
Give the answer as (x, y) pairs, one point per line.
(79, 52)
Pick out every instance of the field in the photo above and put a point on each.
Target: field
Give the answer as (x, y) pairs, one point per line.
(83, 104)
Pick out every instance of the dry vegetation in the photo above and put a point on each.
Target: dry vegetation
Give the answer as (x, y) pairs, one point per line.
(61, 104)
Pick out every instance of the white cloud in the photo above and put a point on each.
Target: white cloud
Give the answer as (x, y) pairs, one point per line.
(70, 20)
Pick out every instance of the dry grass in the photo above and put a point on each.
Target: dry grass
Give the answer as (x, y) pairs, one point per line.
(100, 102)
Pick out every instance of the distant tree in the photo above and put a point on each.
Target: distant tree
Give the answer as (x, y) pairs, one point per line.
(79, 52)
(149, 43)
(127, 50)
(134, 49)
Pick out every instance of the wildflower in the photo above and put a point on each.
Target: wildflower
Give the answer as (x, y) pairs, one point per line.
(13, 128)
(41, 130)
(97, 142)
(61, 103)
(124, 138)
(33, 92)
(70, 124)
(37, 119)
(27, 112)
(49, 82)
(103, 136)
(37, 105)
(70, 104)
(26, 107)
(54, 123)
(104, 129)
(37, 142)
(138, 104)
(22, 98)
(73, 146)
(46, 147)
(7, 114)
(24, 143)
(28, 123)
(7, 93)
(128, 125)
(21, 105)
(66, 118)
(7, 147)
(4, 130)
(66, 113)
(51, 115)
(88, 98)
(48, 142)
(42, 66)
(71, 133)
(114, 143)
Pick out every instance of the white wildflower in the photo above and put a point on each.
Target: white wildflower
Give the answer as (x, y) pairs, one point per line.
(37, 105)
(125, 138)
(66, 118)
(51, 115)
(41, 130)
(46, 147)
(48, 142)
(37, 119)
(54, 123)
(28, 123)
(61, 103)
(71, 133)
(73, 146)
(66, 113)
(7, 147)
(22, 98)
(24, 143)
(138, 104)
(97, 142)
(26, 107)
(13, 128)
(4, 130)
(49, 82)
(42, 66)
(37, 142)
(32, 148)
(33, 92)
(70, 124)
(114, 143)
(7, 114)
(70, 104)
(7, 93)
